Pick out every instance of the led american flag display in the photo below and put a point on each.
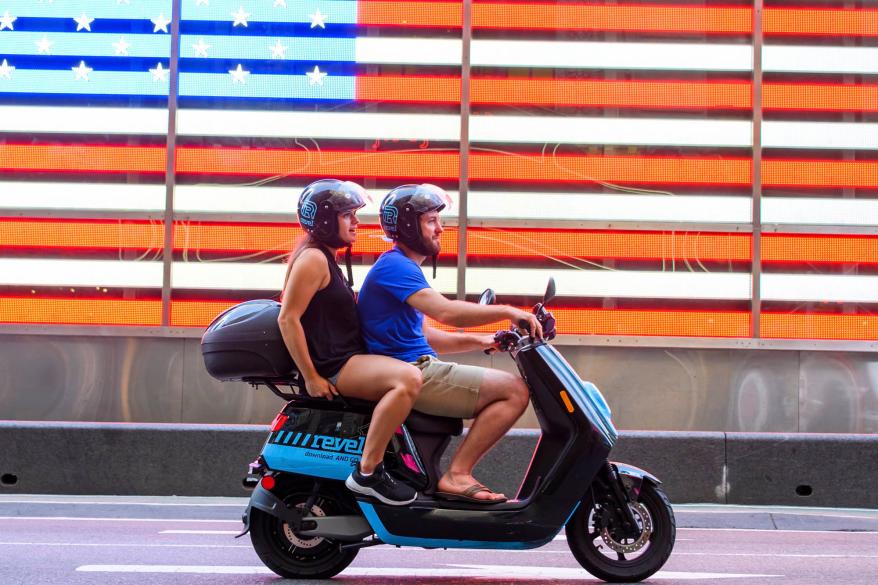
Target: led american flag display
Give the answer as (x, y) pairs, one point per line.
(610, 145)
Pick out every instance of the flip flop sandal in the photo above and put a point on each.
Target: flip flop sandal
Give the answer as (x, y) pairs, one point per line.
(468, 495)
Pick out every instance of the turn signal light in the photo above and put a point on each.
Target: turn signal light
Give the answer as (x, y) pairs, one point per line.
(566, 400)
(268, 482)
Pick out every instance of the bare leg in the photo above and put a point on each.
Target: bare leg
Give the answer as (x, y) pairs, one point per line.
(394, 385)
(503, 398)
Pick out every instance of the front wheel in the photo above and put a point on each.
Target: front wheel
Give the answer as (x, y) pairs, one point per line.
(297, 556)
(607, 555)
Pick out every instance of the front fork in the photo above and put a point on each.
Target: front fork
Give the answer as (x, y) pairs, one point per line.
(615, 497)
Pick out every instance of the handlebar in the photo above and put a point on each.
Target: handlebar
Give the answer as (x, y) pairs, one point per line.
(508, 339)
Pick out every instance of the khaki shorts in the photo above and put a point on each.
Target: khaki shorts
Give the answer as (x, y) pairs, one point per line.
(449, 389)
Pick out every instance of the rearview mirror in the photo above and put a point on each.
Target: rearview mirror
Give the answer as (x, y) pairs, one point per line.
(550, 291)
(488, 297)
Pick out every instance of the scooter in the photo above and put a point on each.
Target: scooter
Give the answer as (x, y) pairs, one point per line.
(304, 523)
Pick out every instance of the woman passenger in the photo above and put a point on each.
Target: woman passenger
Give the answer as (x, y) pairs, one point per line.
(319, 324)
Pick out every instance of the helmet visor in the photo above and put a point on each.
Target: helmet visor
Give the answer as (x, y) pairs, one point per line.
(429, 197)
(348, 196)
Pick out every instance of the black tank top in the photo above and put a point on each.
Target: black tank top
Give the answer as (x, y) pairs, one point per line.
(331, 323)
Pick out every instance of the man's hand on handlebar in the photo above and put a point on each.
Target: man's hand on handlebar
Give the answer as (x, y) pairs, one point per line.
(527, 321)
(488, 343)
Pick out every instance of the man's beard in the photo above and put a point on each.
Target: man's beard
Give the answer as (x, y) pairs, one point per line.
(432, 245)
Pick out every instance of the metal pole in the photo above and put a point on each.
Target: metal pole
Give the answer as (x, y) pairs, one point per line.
(756, 248)
(170, 163)
(464, 148)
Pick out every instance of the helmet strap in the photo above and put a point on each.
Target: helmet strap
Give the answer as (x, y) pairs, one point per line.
(347, 263)
(434, 265)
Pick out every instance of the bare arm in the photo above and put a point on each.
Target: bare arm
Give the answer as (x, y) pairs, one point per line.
(308, 274)
(466, 314)
(444, 342)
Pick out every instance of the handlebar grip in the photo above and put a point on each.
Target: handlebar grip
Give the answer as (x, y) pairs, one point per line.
(490, 351)
(522, 323)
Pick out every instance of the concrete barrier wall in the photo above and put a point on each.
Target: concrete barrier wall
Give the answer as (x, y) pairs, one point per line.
(163, 380)
(203, 460)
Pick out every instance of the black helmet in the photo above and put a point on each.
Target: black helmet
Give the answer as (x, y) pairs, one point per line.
(322, 201)
(403, 206)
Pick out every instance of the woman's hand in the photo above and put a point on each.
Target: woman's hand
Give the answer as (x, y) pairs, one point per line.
(320, 387)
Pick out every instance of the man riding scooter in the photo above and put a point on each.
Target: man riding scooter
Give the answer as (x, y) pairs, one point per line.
(305, 524)
(392, 303)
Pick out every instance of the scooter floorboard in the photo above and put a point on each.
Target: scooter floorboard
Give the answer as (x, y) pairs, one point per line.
(425, 501)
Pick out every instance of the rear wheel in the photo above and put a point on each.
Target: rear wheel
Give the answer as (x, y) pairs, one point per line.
(605, 553)
(297, 556)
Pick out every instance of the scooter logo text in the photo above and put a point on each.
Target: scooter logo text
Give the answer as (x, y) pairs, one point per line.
(320, 442)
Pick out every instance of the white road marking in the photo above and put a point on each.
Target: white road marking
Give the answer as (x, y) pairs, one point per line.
(232, 532)
(202, 569)
(809, 513)
(564, 538)
(130, 503)
(559, 537)
(125, 545)
(501, 571)
(840, 532)
(773, 555)
(85, 518)
(573, 573)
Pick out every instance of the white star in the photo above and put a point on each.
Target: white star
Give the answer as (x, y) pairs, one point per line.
(239, 74)
(82, 71)
(281, 3)
(278, 51)
(6, 70)
(44, 46)
(240, 17)
(315, 77)
(161, 23)
(122, 47)
(202, 2)
(83, 22)
(159, 73)
(6, 21)
(318, 19)
(201, 48)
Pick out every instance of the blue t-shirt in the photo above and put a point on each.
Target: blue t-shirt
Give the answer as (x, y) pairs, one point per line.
(390, 325)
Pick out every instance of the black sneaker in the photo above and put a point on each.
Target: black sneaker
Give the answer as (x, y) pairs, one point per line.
(381, 486)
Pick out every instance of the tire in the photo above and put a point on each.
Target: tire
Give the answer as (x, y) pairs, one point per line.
(597, 550)
(295, 557)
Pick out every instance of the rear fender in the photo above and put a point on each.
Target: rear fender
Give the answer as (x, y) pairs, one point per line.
(264, 500)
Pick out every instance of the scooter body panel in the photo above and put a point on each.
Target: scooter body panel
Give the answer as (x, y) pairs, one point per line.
(318, 443)
(314, 462)
(541, 534)
(572, 449)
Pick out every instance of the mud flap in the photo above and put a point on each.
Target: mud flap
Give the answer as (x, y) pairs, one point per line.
(245, 518)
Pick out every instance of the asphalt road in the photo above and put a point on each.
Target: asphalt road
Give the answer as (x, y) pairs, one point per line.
(73, 540)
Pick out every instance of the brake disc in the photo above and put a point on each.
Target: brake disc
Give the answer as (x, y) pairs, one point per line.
(298, 541)
(644, 520)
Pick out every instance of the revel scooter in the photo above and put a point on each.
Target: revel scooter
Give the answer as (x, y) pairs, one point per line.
(304, 523)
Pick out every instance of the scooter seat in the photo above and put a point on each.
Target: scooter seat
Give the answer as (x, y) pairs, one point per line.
(419, 422)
